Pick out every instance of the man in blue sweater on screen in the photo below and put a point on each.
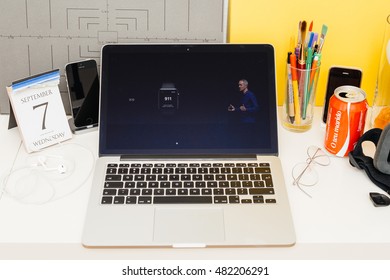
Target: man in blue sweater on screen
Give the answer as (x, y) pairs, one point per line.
(248, 105)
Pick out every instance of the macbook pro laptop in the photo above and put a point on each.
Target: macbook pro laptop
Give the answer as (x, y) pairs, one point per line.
(188, 149)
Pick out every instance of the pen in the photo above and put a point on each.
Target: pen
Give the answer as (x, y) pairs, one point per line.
(311, 39)
(290, 92)
(306, 95)
(314, 68)
(314, 42)
(294, 77)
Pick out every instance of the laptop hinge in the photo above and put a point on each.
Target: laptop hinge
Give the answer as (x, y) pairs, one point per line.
(191, 157)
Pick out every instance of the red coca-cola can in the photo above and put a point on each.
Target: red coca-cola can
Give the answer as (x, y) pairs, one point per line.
(346, 119)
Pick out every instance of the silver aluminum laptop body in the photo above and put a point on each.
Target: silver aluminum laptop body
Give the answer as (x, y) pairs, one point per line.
(171, 104)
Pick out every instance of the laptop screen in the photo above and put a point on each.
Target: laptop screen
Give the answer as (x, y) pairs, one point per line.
(188, 100)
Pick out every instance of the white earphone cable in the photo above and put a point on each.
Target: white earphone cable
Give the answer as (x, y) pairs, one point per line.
(50, 182)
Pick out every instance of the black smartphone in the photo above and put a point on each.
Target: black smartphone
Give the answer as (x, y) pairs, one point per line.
(340, 76)
(83, 88)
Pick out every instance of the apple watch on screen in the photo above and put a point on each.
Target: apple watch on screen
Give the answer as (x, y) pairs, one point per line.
(168, 98)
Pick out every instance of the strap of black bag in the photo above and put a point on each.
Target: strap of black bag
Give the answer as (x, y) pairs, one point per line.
(361, 161)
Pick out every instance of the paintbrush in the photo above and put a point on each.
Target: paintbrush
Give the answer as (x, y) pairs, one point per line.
(322, 38)
(301, 58)
(299, 40)
(301, 63)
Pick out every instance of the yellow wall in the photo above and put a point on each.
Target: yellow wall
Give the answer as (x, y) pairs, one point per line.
(354, 38)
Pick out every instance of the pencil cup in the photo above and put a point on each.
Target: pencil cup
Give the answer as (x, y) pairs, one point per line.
(301, 85)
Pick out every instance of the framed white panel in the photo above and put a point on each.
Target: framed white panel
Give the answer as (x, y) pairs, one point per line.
(40, 35)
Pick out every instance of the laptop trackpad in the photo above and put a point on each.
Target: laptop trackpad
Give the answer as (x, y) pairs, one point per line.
(186, 226)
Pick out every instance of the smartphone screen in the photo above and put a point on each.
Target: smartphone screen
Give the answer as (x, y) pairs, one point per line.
(83, 87)
(340, 76)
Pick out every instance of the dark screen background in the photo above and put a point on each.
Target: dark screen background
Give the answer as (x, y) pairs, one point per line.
(206, 78)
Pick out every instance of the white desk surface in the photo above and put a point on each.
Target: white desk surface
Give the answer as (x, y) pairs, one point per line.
(339, 222)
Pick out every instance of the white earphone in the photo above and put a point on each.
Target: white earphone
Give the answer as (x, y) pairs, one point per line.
(48, 176)
(61, 168)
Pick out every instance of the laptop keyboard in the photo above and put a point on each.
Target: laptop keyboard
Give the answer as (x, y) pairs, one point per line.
(186, 183)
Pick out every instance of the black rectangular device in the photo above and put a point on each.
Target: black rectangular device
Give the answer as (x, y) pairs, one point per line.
(340, 76)
(83, 87)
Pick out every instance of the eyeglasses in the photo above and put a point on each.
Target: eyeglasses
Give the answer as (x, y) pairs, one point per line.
(304, 173)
